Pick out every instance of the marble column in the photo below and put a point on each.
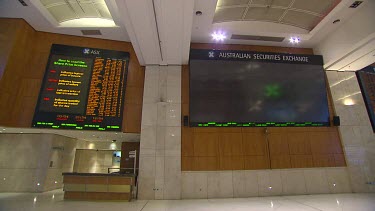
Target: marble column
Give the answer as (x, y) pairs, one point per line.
(160, 144)
(358, 139)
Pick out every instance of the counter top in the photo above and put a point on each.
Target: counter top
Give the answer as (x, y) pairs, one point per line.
(96, 174)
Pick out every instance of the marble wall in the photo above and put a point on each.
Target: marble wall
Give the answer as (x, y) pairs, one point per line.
(102, 145)
(94, 161)
(61, 160)
(27, 160)
(357, 136)
(160, 144)
(249, 183)
(24, 161)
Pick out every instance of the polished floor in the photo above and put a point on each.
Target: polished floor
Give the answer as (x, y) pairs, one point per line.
(53, 201)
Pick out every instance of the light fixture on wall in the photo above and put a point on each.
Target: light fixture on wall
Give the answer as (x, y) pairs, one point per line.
(348, 102)
(218, 36)
(113, 146)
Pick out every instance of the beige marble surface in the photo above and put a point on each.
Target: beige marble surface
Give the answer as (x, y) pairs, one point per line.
(53, 200)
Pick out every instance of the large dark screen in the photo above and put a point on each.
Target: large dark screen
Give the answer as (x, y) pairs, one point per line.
(83, 88)
(257, 93)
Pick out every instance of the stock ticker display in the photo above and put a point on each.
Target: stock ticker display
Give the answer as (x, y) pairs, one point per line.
(83, 89)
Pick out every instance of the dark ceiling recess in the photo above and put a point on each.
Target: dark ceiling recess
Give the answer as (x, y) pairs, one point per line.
(355, 4)
(256, 38)
(91, 32)
(23, 3)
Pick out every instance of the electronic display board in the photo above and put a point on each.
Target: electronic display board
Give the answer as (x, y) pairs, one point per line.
(83, 89)
(231, 88)
(366, 80)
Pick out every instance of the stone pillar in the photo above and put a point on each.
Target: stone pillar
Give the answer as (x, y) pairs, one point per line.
(358, 139)
(160, 144)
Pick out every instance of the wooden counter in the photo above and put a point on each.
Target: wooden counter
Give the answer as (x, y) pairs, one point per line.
(93, 186)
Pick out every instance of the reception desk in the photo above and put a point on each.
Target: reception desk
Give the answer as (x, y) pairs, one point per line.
(95, 186)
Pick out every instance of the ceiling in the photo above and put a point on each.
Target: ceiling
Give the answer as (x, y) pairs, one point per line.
(161, 30)
(299, 13)
(310, 36)
(64, 10)
(47, 18)
(83, 135)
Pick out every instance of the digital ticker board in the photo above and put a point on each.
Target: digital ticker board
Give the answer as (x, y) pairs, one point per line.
(83, 89)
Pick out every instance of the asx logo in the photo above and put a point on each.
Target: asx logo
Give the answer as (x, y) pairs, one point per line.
(89, 51)
(211, 54)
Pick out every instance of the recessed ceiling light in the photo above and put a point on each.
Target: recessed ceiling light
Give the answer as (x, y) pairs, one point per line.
(218, 36)
(294, 40)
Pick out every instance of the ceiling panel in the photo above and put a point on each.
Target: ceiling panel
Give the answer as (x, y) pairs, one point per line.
(86, 10)
(226, 14)
(63, 10)
(231, 2)
(104, 12)
(305, 14)
(62, 13)
(280, 3)
(264, 13)
(300, 19)
(316, 6)
(48, 2)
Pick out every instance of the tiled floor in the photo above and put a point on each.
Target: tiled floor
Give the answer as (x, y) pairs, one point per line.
(53, 201)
